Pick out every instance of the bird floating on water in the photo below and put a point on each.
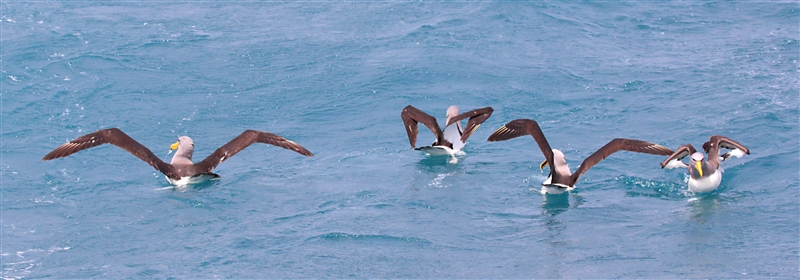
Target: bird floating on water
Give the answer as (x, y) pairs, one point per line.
(705, 175)
(181, 170)
(560, 178)
(453, 138)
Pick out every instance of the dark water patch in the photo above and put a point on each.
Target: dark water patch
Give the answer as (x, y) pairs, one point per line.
(572, 75)
(370, 238)
(789, 44)
(96, 62)
(247, 243)
(633, 86)
(149, 273)
(512, 216)
(291, 217)
(614, 257)
(556, 17)
(211, 261)
(453, 23)
(421, 32)
(191, 202)
(329, 204)
(381, 206)
(419, 205)
(305, 215)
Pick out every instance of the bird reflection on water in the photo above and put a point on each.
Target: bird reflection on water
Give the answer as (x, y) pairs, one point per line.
(432, 163)
(554, 204)
(704, 206)
(438, 167)
(557, 245)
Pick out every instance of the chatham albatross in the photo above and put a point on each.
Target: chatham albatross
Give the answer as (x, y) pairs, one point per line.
(560, 178)
(181, 170)
(453, 138)
(705, 175)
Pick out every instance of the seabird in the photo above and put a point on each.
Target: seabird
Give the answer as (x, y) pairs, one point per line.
(453, 138)
(181, 170)
(560, 178)
(705, 176)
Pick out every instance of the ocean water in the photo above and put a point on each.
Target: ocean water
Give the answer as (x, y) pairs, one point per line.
(334, 76)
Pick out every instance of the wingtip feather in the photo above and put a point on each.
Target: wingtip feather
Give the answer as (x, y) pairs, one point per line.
(502, 133)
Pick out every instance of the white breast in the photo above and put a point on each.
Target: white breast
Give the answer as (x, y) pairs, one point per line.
(197, 179)
(555, 189)
(705, 184)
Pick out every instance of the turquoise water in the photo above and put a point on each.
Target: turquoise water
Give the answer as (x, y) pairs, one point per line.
(334, 78)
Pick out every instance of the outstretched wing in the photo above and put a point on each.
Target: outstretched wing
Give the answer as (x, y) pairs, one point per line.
(718, 141)
(115, 137)
(476, 118)
(243, 141)
(679, 154)
(520, 127)
(411, 116)
(618, 144)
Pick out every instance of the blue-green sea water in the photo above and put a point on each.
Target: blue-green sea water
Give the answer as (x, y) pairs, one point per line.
(334, 76)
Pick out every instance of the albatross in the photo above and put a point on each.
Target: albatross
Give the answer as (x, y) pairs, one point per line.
(560, 178)
(705, 175)
(181, 170)
(453, 138)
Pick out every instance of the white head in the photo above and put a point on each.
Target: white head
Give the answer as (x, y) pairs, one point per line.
(558, 158)
(185, 148)
(697, 163)
(452, 111)
(698, 156)
(559, 162)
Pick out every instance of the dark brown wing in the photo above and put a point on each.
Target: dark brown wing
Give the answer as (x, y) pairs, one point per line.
(476, 118)
(680, 153)
(718, 141)
(115, 137)
(244, 140)
(520, 127)
(618, 144)
(411, 116)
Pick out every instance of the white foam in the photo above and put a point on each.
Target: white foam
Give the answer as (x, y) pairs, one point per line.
(437, 182)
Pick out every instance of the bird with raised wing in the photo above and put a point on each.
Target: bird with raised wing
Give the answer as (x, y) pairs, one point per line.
(705, 175)
(560, 178)
(450, 140)
(181, 170)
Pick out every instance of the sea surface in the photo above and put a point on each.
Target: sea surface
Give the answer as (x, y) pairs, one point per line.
(334, 77)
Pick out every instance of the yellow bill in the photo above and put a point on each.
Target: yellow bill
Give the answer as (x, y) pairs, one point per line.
(699, 165)
(174, 146)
